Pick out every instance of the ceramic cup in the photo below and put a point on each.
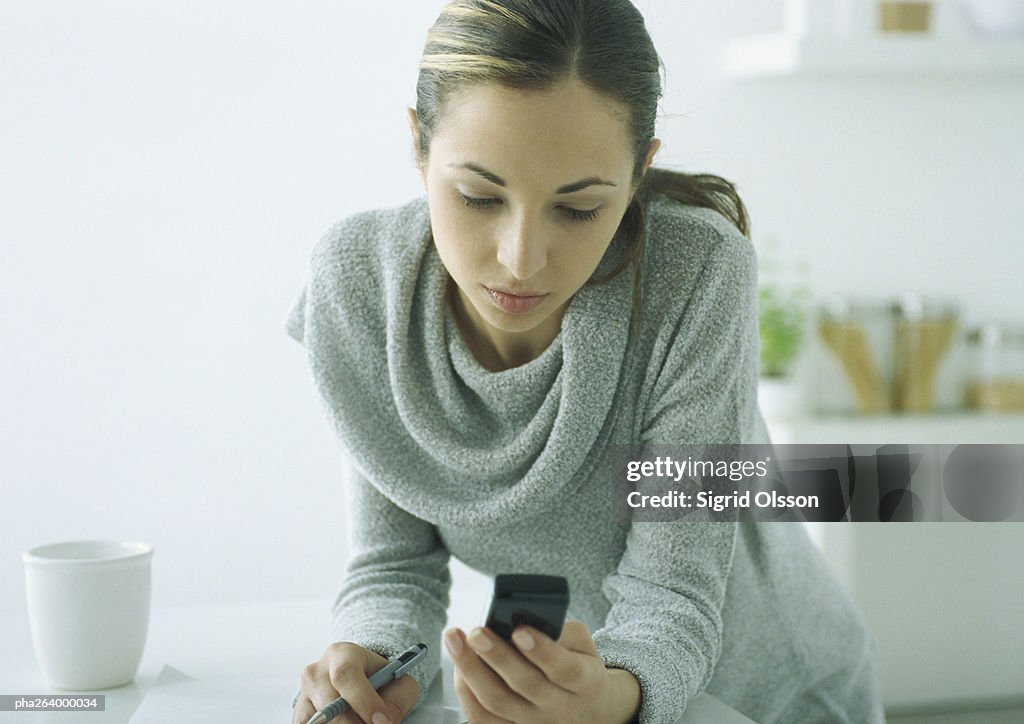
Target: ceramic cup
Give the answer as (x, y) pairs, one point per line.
(88, 608)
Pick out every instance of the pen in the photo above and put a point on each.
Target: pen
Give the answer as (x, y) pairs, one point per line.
(396, 666)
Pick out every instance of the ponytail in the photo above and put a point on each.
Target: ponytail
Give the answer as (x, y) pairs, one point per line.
(704, 190)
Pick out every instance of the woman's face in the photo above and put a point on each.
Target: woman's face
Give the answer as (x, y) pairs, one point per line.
(526, 190)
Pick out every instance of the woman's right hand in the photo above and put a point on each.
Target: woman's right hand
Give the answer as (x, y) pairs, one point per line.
(344, 670)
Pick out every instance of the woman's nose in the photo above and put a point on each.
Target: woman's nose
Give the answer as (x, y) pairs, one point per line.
(521, 250)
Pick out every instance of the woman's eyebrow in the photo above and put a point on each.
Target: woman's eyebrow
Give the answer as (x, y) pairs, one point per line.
(567, 189)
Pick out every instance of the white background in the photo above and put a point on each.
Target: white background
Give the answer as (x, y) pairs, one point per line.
(166, 167)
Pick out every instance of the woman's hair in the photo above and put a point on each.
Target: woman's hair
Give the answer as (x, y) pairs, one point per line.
(534, 44)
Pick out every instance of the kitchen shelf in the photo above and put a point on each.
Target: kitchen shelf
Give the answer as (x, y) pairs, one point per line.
(785, 55)
(938, 429)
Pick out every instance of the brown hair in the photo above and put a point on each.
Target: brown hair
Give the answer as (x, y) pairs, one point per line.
(533, 44)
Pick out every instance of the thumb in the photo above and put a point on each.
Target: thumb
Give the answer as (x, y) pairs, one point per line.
(576, 637)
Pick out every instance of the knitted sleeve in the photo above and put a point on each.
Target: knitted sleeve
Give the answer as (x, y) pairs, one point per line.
(665, 623)
(395, 589)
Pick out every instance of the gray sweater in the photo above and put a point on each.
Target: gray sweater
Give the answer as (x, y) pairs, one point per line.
(510, 471)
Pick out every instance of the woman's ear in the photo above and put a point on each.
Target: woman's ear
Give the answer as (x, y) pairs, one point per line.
(414, 131)
(651, 151)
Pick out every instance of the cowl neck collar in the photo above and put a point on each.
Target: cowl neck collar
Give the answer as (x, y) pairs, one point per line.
(469, 447)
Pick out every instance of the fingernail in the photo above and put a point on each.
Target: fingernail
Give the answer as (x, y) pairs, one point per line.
(479, 641)
(523, 640)
(379, 718)
(451, 640)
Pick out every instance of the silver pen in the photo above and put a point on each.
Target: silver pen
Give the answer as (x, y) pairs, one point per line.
(397, 666)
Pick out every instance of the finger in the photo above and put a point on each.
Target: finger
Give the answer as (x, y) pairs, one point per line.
(348, 677)
(571, 670)
(518, 673)
(472, 709)
(487, 686)
(576, 637)
(317, 692)
(402, 693)
(303, 710)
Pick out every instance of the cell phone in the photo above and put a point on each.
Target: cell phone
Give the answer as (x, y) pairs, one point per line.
(522, 599)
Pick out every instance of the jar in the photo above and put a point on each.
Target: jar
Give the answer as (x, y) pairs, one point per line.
(926, 346)
(995, 380)
(904, 16)
(851, 357)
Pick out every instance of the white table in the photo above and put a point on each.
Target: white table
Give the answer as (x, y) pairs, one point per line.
(269, 639)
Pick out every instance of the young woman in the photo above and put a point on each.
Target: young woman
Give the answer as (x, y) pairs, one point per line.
(480, 351)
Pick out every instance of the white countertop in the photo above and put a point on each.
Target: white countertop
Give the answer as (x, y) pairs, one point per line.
(231, 641)
(205, 642)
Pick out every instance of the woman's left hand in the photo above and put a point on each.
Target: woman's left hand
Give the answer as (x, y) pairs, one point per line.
(537, 680)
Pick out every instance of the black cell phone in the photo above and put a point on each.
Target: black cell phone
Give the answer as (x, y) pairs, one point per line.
(523, 599)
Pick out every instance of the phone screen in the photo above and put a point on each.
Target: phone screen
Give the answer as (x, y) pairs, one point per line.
(530, 600)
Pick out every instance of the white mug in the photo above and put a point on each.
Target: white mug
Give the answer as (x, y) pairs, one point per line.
(88, 608)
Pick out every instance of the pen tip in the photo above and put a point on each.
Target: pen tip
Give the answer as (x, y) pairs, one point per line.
(317, 718)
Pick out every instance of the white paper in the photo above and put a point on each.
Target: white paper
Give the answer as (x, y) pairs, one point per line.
(176, 697)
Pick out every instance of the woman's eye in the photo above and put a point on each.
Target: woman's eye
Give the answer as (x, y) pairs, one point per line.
(474, 202)
(577, 215)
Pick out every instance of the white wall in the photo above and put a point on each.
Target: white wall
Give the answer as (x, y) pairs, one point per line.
(167, 167)
(888, 184)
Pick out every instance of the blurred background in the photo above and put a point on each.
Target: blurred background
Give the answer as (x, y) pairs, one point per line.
(168, 166)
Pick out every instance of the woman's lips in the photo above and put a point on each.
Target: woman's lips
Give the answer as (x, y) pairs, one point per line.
(515, 303)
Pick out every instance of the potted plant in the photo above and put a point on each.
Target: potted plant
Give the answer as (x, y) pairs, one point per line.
(781, 324)
(782, 314)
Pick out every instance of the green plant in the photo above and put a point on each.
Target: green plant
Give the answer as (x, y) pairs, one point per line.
(781, 324)
(783, 301)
